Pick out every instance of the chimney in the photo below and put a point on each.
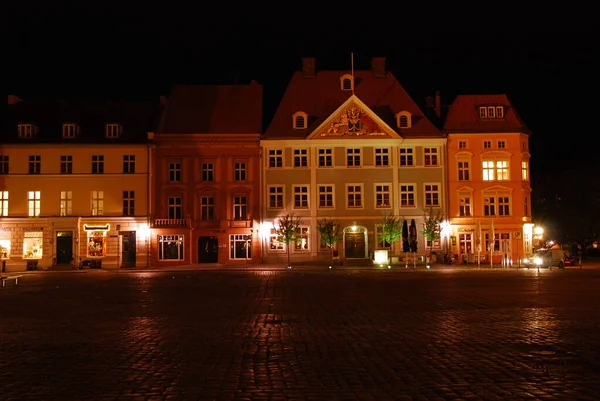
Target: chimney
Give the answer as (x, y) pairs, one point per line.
(438, 107)
(12, 99)
(308, 67)
(378, 67)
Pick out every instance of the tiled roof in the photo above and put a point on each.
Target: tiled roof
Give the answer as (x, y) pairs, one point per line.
(463, 115)
(319, 96)
(136, 119)
(213, 109)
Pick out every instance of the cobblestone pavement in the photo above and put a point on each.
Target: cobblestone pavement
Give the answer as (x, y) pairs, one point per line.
(293, 334)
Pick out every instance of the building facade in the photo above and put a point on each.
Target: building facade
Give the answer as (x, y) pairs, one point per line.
(489, 180)
(351, 147)
(206, 180)
(74, 184)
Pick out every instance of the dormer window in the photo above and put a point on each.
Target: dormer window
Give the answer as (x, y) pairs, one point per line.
(347, 82)
(403, 120)
(113, 130)
(27, 130)
(491, 112)
(300, 120)
(70, 130)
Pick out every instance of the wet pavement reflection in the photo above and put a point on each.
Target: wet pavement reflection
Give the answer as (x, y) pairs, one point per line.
(301, 335)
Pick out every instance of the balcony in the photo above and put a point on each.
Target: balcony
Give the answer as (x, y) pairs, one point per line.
(171, 223)
(238, 223)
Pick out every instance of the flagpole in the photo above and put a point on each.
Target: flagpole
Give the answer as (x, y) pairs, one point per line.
(492, 244)
(352, 67)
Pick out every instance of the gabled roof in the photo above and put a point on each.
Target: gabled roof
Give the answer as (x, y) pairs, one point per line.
(463, 115)
(136, 118)
(321, 95)
(213, 109)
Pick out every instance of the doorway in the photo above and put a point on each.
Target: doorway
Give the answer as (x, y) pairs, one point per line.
(465, 243)
(64, 247)
(354, 244)
(128, 254)
(208, 250)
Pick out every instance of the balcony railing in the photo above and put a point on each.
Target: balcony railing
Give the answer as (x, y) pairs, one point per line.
(171, 223)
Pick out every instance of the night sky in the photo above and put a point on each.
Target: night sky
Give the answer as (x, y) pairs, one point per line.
(549, 76)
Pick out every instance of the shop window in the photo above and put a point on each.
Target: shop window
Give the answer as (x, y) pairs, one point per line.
(32, 245)
(4, 248)
(96, 244)
(170, 247)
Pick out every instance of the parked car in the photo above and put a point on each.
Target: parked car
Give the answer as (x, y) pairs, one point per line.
(570, 260)
(546, 258)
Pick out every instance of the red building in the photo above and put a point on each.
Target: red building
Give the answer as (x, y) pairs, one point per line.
(206, 176)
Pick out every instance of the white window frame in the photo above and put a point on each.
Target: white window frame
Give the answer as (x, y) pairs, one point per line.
(276, 193)
(380, 190)
(301, 195)
(351, 189)
(411, 188)
(331, 193)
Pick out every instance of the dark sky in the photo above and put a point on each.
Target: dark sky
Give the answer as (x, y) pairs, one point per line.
(548, 75)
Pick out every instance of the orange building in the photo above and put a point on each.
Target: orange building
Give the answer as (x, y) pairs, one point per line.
(205, 203)
(488, 180)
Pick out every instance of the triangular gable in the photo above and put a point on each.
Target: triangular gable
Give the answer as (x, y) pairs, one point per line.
(353, 118)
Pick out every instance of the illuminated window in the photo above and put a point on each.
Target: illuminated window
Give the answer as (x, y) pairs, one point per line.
(301, 242)
(275, 242)
(66, 203)
(3, 203)
(170, 247)
(524, 171)
(33, 202)
(97, 203)
(240, 246)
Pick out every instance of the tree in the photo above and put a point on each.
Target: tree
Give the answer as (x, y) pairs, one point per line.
(432, 227)
(390, 229)
(330, 232)
(287, 230)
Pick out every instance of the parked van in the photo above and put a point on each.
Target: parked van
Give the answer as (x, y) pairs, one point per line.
(546, 258)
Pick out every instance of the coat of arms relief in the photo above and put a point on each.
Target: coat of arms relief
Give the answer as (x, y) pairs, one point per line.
(353, 122)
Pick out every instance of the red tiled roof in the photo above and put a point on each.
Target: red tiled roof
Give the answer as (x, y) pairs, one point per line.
(213, 109)
(463, 115)
(321, 95)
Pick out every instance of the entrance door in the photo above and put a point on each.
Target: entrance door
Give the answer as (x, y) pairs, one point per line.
(354, 245)
(208, 250)
(465, 243)
(128, 255)
(64, 247)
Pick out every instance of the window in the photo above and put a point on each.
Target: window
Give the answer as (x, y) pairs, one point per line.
(382, 158)
(403, 120)
(406, 157)
(431, 156)
(98, 164)
(175, 207)
(499, 112)
(275, 158)
(501, 144)
(382, 196)
(26, 130)
(240, 171)
(432, 195)
(347, 82)
(66, 203)
(97, 203)
(69, 131)
(35, 164)
(482, 112)
(495, 170)
(491, 112)
(128, 164)
(240, 246)
(33, 203)
(465, 206)
(525, 206)
(174, 172)
(325, 158)
(299, 118)
(276, 197)
(3, 203)
(353, 157)
(300, 158)
(112, 130)
(275, 243)
(326, 196)
(207, 208)
(463, 171)
(407, 195)
(462, 144)
(494, 245)
(170, 247)
(128, 203)
(301, 243)
(487, 144)
(496, 205)
(240, 206)
(4, 164)
(524, 171)
(208, 171)
(354, 192)
(300, 197)
(66, 164)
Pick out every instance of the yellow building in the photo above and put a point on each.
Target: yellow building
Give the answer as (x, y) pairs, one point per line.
(74, 184)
